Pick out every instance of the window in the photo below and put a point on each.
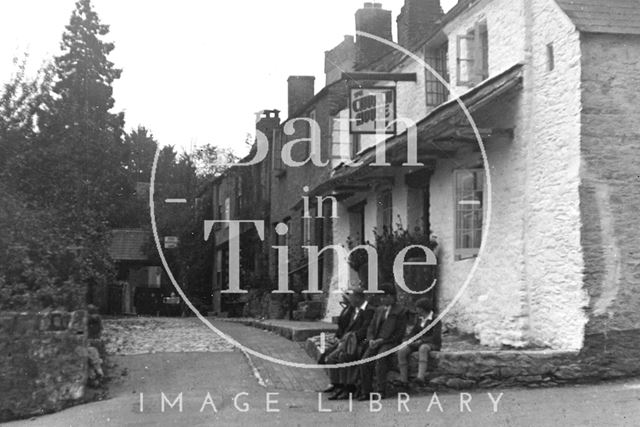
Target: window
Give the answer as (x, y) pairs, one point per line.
(551, 60)
(356, 145)
(469, 211)
(437, 93)
(472, 59)
(385, 211)
(305, 228)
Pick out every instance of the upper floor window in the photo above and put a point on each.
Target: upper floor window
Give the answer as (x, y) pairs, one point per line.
(469, 212)
(551, 57)
(436, 92)
(472, 59)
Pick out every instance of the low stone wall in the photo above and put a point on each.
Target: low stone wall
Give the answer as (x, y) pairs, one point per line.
(615, 355)
(43, 362)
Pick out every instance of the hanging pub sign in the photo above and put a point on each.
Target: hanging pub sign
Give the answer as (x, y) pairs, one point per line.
(372, 110)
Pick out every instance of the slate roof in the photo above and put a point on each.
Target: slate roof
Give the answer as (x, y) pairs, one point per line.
(128, 245)
(604, 16)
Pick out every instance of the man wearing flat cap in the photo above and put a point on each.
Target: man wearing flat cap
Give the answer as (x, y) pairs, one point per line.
(385, 332)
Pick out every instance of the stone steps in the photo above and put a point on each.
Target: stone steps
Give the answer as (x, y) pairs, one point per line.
(292, 330)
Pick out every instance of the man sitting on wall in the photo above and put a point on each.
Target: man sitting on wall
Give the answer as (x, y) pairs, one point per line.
(385, 332)
(351, 346)
(430, 341)
(343, 322)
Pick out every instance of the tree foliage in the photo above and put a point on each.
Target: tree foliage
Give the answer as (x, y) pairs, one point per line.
(64, 173)
(69, 173)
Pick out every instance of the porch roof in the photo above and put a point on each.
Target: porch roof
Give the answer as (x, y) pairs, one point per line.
(440, 133)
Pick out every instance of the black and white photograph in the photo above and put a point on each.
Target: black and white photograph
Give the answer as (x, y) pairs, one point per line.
(304, 213)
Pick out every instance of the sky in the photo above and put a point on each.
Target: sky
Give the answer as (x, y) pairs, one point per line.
(194, 71)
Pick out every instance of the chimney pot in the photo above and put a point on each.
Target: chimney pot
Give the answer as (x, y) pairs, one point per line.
(301, 91)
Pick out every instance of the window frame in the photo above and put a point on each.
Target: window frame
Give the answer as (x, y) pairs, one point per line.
(437, 93)
(551, 57)
(476, 55)
(462, 252)
(469, 59)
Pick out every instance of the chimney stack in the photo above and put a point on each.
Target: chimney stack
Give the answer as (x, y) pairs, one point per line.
(267, 121)
(374, 20)
(301, 91)
(341, 58)
(417, 19)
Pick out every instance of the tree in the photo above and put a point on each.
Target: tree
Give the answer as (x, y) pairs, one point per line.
(211, 161)
(65, 173)
(22, 100)
(81, 146)
(142, 147)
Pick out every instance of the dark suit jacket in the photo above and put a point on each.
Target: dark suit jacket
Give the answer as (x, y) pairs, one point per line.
(392, 329)
(343, 321)
(432, 337)
(361, 323)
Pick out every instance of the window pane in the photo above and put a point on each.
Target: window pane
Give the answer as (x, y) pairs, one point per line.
(469, 210)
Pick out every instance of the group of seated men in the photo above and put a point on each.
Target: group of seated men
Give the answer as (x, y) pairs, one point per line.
(364, 332)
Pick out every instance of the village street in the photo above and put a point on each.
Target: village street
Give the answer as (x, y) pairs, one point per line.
(173, 356)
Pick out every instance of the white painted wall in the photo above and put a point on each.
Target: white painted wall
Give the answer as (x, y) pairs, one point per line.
(555, 260)
(528, 288)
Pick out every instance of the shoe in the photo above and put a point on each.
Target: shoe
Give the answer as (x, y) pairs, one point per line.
(331, 389)
(421, 382)
(364, 397)
(340, 395)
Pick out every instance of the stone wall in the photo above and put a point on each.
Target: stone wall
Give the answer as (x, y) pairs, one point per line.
(610, 199)
(608, 357)
(43, 362)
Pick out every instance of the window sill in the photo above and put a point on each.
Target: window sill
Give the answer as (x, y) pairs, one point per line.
(465, 256)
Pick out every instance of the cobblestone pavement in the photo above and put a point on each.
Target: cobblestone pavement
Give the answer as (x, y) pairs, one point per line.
(144, 335)
(141, 335)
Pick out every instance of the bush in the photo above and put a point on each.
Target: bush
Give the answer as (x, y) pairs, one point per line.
(47, 261)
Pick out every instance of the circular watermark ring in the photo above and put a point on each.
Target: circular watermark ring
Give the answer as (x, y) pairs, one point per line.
(439, 318)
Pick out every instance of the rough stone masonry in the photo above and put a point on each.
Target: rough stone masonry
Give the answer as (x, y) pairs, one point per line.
(43, 362)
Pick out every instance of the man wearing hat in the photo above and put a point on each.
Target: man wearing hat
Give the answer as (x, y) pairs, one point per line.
(385, 332)
(344, 380)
